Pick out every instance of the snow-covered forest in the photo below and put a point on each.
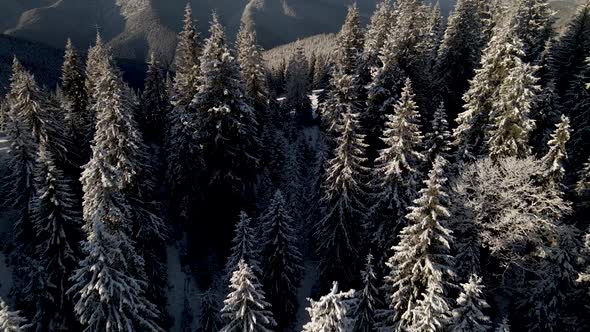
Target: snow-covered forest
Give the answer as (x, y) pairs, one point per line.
(429, 174)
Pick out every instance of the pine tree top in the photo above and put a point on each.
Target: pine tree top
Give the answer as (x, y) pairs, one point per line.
(468, 315)
(557, 154)
(349, 42)
(331, 312)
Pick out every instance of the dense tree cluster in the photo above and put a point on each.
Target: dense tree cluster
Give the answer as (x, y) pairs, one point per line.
(436, 170)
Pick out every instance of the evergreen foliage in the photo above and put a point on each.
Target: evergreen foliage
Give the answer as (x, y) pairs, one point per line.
(469, 314)
(186, 61)
(330, 312)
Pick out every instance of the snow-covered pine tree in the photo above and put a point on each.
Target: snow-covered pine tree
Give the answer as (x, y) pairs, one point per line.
(546, 115)
(97, 54)
(570, 51)
(110, 282)
(375, 37)
(154, 103)
(245, 308)
(502, 54)
(583, 184)
(344, 90)
(557, 155)
(436, 30)
(186, 61)
(459, 53)
(339, 232)
(245, 246)
(11, 321)
(421, 265)
(75, 101)
(367, 299)
(437, 140)
(396, 169)
(252, 69)
(469, 314)
(56, 217)
(283, 269)
(331, 312)
(298, 88)
(209, 317)
(576, 104)
(504, 326)
(511, 124)
(229, 131)
(533, 22)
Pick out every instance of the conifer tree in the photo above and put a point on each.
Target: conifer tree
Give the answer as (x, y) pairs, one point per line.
(187, 62)
(469, 314)
(154, 104)
(421, 265)
(249, 57)
(375, 37)
(283, 269)
(229, 130)
(463, 39)
(557, 155)
(244, 247)
(78, 118)
(502, 54)
(97, 54)
(570, 51)
(245, 308)
(110, 282)
(331, 312)
(504, 326)
(438, 139)
(367, 299)
(576, 105)
(583, 184)
(511, 124)
(11, 321)
(338, 233)
(209, 318)
(297, 87)
(397, 168)
(56, 218)
(533, 22)
(546, 115)
(344, 89)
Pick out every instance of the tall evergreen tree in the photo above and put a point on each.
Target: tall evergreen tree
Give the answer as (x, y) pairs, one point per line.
(331, 312)
(249, 57)
(339, 232)
(367, 299)
(283, 269)
(78, 116)
(502, 54)
(298, 88)
(375, 38)
(11, 321)
(468, 315)
(245, 307)
(110, 282)
(557, 155)
(511, 127)
(154, 104)
(459, 53)
(97, 54)
(397, 169)
(56, 218)
(437, 141)
(533, 22)
(245, 247)
(209, 318)
(422, 265)
(186, 61)
(546, 114)
(576, 105)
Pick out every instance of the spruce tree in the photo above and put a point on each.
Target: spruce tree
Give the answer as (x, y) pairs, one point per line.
(56, 217)
(511, 124)
(556, 157)
(502, 54)
(97, 54)
(375, 37)
(331, 312)
(244, 246)
(186, 61)
(344, 89)
(367, 299)
(339, 232)
(249, 57)
(421, 265)
(154, 104)
(459, 53)
(396, 169)
(229, 130)
(437, 140)
(11, 321)
(469, 314)
(209, 318)
(546, 114)
(245, 308)
(298, 88)
(283, 269)
(110, 283)
(533, 22)
(576, 104)
(78, 117)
